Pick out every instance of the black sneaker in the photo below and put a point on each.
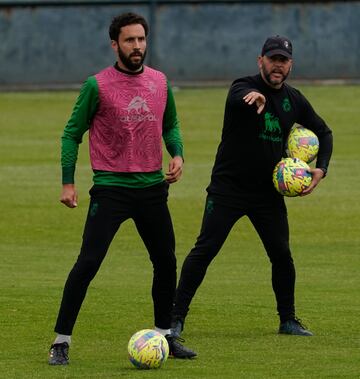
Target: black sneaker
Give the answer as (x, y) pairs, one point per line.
(294, 327)
(59, 354)
(177, 350)
(177, 326)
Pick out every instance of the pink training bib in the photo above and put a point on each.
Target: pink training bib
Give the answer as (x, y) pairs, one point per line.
(126, 132)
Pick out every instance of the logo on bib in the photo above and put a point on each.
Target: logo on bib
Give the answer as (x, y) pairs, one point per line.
(138, 110)
(137, 104)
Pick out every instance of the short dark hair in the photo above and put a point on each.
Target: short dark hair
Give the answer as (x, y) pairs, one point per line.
(123, 20)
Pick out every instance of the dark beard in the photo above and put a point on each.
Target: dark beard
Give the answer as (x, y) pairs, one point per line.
(267, 77)
(127, 60)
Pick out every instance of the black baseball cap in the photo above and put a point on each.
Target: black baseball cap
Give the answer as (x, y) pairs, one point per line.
(277, 45)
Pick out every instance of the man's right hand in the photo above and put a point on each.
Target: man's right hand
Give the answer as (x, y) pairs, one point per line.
(69, 195)
(257, 98)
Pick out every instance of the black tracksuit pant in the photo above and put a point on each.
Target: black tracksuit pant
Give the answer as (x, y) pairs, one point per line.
(109, 207)
(269, 217)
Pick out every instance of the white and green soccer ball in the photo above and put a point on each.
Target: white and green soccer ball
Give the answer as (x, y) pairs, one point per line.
(302, 143)
(291, 176)
(148, 349)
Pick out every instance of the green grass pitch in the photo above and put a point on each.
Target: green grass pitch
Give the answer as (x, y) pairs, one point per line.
(233, 323)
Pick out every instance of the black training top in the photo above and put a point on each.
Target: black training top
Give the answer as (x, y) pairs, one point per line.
(252, 144)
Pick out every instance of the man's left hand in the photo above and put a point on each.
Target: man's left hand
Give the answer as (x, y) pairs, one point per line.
(317, 175)
(175, 170)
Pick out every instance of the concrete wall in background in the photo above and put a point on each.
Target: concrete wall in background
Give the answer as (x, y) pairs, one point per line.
(189, 42)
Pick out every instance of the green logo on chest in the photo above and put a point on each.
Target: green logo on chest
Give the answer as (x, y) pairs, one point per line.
(272, 129)
(286, 106)
(271, 123)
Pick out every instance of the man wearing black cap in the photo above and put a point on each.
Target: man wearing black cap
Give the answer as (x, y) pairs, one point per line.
(259, 112)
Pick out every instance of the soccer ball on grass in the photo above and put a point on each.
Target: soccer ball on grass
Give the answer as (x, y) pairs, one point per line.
(148, 349)
(291, 176)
